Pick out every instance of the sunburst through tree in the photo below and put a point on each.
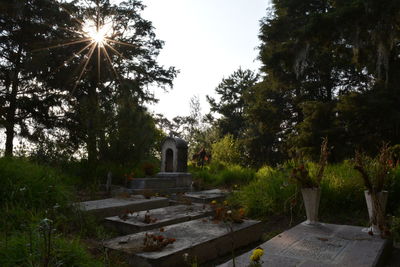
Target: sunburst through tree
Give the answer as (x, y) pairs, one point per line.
(97, 33)
(110, 52)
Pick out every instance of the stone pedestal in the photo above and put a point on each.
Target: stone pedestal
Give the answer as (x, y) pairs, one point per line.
(164, 182)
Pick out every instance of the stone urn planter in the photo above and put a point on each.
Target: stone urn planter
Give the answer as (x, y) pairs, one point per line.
(311, 198)
(382, 197)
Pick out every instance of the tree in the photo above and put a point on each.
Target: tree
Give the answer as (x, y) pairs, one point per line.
(26, 99)
(231, 102)
(330, 64)
(107, 101)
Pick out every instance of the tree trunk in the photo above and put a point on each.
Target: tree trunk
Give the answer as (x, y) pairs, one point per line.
(92, 127)
(12, 108)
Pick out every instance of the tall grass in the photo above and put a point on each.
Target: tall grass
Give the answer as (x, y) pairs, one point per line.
(28, 189)
(218, 174)
(29, 250)
(31, 194)
(271, 192)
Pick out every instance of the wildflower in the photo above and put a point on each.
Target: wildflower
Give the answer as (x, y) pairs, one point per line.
(256, 255)
(229, 212)
(225, 203)
(214, 202)
(22, 189)
(185, 256)
(242, 212)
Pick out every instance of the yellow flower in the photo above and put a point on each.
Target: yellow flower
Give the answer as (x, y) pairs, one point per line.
(226, 203)
(214, 202)
(256, 255)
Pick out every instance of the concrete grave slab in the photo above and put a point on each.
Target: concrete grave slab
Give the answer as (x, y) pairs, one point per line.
(206, 196)
(201, 238)
(324, 245)
(168, 182)
(134, 222)
(115, 206)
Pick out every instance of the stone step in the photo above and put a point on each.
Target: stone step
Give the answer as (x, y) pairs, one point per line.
(324, 245)
(206, 196)
(115, 206)
(135, 222)
(202, 239)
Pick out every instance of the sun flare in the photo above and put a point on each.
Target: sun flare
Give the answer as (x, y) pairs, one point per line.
(97, 34)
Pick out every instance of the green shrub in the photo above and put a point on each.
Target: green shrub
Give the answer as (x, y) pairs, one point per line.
(268, 194)
(395, 229)
(227, 150)
(29, 249)
(28, 189)
(218, 174)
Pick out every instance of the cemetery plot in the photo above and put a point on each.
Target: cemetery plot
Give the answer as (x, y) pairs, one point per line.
(201, 238)
(114, 206)
(129, 223)
(206, 196)
(321, 245)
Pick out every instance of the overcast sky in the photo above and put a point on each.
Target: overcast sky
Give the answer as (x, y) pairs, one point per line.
(206, 40)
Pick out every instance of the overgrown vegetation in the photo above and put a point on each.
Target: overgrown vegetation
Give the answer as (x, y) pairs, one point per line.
(37, 218)
(269, 191)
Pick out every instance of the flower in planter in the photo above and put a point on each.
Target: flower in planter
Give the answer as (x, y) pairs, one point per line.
(255, 258)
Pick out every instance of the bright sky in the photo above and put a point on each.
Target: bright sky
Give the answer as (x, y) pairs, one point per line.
(206, 40)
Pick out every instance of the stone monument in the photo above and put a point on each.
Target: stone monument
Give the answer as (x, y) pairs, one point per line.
(173, 176)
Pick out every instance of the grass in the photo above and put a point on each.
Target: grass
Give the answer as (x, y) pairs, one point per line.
(29, 249)
(31, 195)
(270, 192)
(218, 174)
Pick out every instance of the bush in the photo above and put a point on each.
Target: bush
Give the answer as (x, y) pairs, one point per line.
(218, 174)
(226, 150)
(268, 194)
(28, 189)
(395, 229)
(29, 249)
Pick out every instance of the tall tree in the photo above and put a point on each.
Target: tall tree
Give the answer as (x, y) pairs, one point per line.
(325, 59)
(25, 96)
(231, 104)
(112, 84)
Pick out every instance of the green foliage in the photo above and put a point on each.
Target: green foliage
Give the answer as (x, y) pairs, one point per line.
(231, 104)
(28, 189)
(227, 150)
(395, 229)
(268, 194)
(342, 197)
(343, 191)
(27, 249)
(218, 174)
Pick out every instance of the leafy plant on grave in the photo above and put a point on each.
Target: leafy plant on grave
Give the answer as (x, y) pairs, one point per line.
(222, 212)
(302, 175)
(148, 218)
(152, 242)
(375, 173)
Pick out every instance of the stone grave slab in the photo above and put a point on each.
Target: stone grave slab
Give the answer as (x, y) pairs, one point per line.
(135, 222)
(201, 238)
(114, 206)
(324, 245)
(206, 196)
